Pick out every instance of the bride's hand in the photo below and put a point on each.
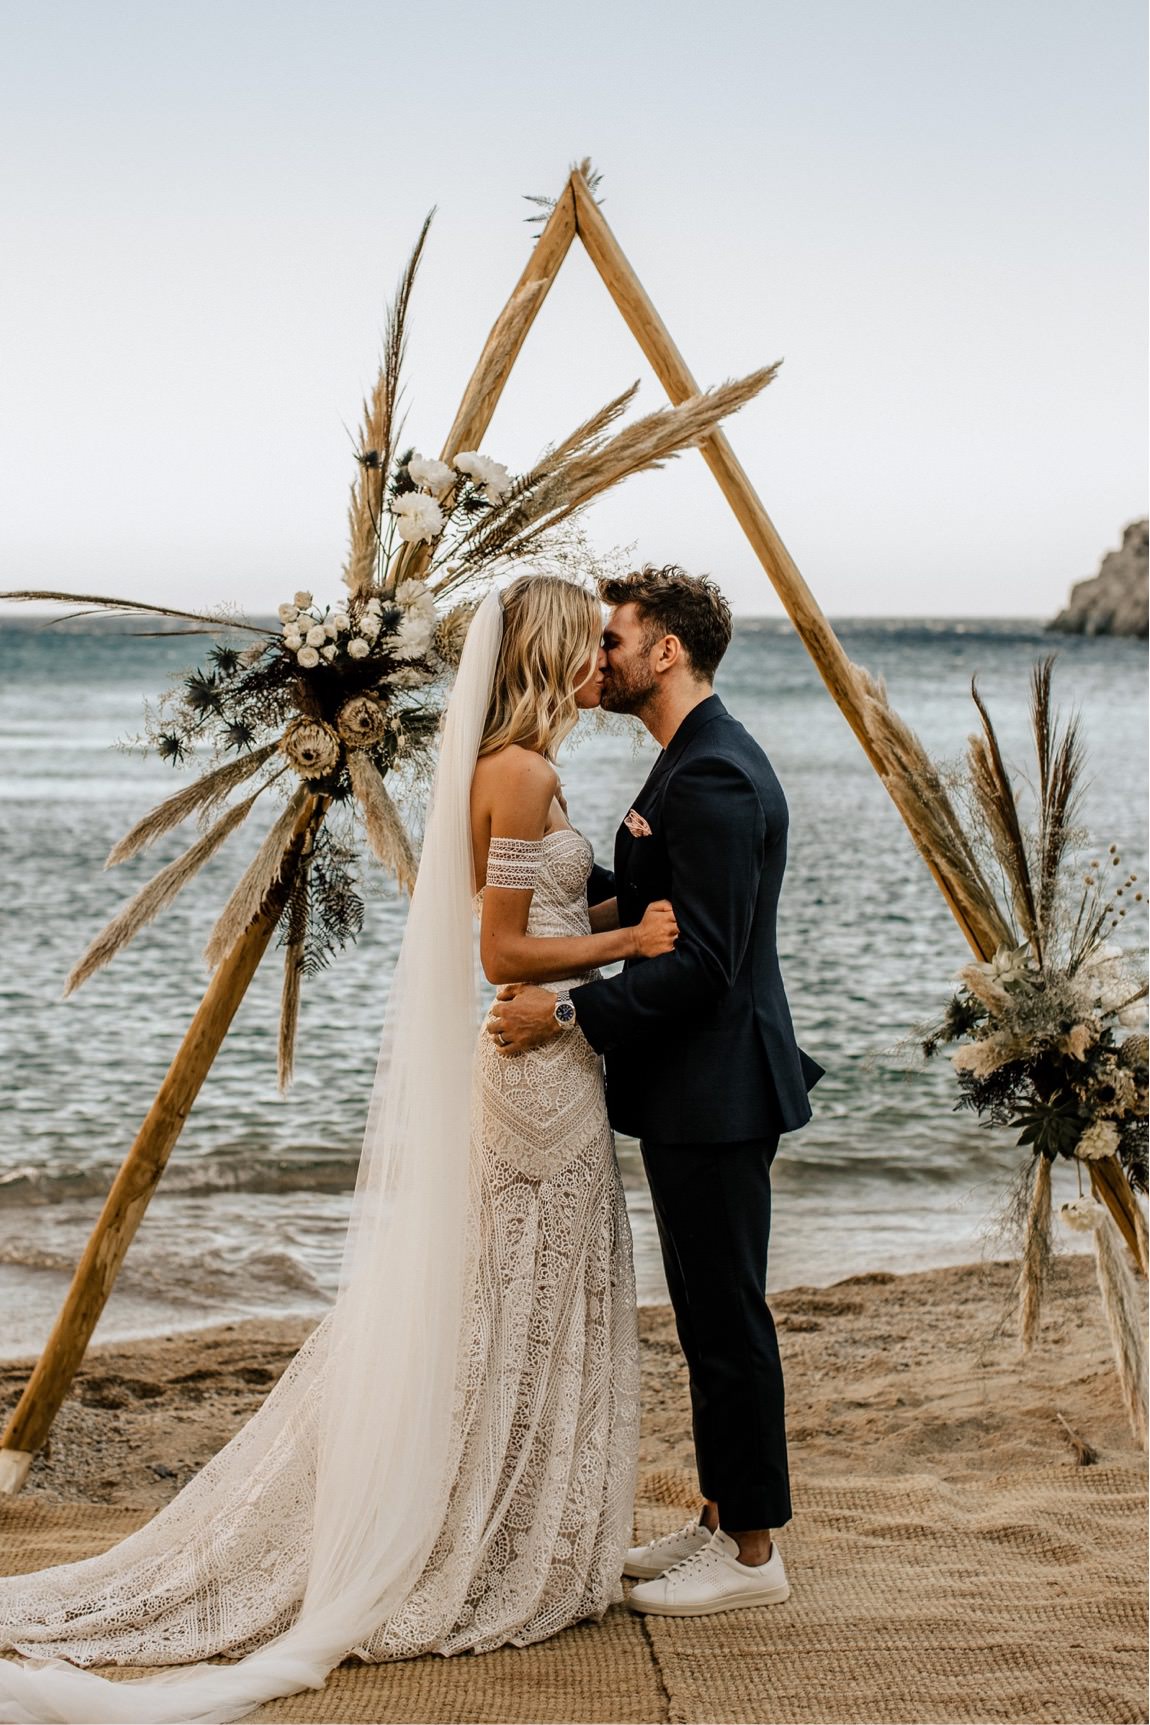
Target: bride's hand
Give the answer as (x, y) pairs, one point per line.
(658, 931)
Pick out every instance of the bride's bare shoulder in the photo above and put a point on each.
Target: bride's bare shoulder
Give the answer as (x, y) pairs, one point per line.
(515, 768)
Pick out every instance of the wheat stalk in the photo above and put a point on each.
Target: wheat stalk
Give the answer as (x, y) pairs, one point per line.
(212, 788)
(159, 892)
(248, 893)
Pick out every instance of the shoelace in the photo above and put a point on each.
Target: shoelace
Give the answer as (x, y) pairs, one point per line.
(670, 1538)
(703, 1558)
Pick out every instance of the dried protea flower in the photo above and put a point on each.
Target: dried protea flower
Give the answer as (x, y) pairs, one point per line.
(362, 722)
(1134, 1052)
(312, 747)
(451, 632)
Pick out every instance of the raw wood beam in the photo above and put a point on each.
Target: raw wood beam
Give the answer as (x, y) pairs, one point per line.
(799, 602)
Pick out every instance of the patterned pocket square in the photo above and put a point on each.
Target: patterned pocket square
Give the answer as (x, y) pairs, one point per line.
(636, 825)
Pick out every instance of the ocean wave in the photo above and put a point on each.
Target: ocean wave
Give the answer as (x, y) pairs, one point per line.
(32, 1185)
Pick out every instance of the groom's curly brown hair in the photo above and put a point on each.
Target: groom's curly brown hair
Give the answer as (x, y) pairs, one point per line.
(671, 602)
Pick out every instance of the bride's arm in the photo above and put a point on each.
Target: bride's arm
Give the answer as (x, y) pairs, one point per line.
(517, 791)
(604, 915)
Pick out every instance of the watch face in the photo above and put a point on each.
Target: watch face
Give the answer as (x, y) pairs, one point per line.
(565, 1012)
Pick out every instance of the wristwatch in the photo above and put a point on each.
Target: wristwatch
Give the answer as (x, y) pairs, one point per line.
(564, 1012)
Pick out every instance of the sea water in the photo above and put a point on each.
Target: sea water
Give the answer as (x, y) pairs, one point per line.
(251, 1211)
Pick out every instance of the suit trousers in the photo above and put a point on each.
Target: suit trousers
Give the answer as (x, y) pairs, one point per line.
(712, 1206)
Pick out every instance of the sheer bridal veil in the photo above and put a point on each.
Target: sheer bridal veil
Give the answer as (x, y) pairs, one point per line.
(369, 1399)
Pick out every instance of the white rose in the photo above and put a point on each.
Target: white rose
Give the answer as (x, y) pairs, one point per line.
(418, 515)
(307, 657)
(316, 636)
(491, 475)
(374, 605)
(339, 621)
(358, 647)
(369, 625)
(328, 653)
(288, 613)
(293, 640)
(433, 476)
(303, 600)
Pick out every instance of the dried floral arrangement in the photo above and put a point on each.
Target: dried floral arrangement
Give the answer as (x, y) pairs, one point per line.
(1050, 1027)
(340, 697)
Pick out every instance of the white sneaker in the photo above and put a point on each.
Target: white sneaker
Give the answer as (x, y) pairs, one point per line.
(643, 1562)
(713, 1579)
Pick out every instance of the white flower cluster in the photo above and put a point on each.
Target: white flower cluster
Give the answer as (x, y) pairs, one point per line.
(412, 639)
(418, 514)
(314, 634)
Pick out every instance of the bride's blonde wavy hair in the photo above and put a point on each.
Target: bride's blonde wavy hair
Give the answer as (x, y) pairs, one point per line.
(551, 631)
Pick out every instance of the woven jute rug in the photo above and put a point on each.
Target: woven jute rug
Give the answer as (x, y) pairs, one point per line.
(1019, 1598)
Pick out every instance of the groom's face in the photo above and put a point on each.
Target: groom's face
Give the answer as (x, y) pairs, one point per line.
(629, 678)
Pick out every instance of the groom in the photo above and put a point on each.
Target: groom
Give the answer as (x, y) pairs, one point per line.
(702, 1067)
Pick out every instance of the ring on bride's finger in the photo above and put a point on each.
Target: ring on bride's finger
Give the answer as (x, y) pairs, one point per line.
(501, 1039)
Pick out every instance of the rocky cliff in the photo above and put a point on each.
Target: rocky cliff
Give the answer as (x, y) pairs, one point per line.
(1113, 602)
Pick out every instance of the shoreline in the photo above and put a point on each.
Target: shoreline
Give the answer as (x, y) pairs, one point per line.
(886, 1374)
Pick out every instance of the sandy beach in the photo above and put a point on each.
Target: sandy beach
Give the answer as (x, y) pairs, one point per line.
(951, 1556)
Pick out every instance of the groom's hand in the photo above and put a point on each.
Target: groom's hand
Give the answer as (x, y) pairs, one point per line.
(522, 1017)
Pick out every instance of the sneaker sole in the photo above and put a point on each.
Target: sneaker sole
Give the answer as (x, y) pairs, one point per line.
(768, 1596)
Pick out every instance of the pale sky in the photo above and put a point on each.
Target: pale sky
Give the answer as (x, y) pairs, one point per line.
(933, 212)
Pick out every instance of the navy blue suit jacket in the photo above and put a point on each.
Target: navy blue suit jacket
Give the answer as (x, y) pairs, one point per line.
(698, 1042)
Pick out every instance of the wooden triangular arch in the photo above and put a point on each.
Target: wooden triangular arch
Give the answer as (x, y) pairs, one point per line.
(889, 747)
(577, 215)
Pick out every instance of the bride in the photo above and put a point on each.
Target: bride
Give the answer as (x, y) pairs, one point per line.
(448, 1462)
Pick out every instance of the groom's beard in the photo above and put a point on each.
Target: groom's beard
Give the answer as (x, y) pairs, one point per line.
(627, 694)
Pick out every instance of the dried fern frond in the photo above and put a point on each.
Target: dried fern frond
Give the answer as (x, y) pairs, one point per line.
(386, 832)
(378, 436)
(159, 892)
(248, 893)
(211, 788)
(103, 603)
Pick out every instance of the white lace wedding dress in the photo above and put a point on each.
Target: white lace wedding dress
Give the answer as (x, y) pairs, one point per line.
(544, 1434)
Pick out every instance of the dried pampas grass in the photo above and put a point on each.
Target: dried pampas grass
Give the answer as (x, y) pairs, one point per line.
(212, 788)
(160, 891)
(249, 891)
(922, 798)
(386, 832)
(294, 954)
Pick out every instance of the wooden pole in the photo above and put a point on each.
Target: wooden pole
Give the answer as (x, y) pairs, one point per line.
(140, 1173)
(814, 629)
(500, 351)
(801, 606)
